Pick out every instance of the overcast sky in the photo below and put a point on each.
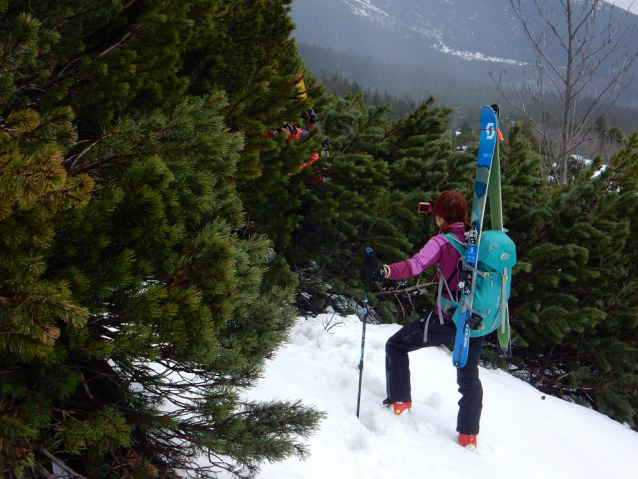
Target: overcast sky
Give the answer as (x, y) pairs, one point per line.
(625, 4)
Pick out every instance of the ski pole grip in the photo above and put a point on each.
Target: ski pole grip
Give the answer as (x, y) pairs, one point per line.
(367, 281)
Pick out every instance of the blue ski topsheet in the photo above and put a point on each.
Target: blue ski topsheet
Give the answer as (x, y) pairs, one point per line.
(486, 152)
(488, 138)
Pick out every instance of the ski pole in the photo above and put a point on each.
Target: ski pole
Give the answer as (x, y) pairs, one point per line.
(363, 333)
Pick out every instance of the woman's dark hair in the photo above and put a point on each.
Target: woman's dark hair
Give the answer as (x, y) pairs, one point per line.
(452, 207)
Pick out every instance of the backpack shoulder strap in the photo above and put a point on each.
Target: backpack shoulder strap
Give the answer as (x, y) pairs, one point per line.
(456, 243)
(461, 248)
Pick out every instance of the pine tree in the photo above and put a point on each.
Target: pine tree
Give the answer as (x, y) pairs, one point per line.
(35, 310)
(145, 311)
(466, 129)
(378, 171)
(279, 176)
(573, 306)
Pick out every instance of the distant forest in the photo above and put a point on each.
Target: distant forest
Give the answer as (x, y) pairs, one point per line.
(405, 84)
(340, 86)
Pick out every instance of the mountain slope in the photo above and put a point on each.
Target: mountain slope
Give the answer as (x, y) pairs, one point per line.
(524, 435)
(414, 49)
(485, 31)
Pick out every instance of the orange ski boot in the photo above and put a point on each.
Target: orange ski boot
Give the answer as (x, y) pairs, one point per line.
(399, 407)
(468, 441)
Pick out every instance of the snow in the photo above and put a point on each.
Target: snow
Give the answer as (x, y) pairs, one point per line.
(475, 56)
(631, 5)
(364, 8)
(524, 434)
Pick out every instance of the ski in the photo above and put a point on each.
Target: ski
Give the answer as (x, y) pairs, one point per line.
(487, 145)
(496, 214)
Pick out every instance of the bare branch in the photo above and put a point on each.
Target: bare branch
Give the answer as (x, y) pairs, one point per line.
(585, 76)
(62, 464)
(405, 290)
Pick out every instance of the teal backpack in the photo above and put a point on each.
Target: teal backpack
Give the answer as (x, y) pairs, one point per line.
(497, 257)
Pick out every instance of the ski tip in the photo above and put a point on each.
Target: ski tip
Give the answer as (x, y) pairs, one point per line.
(496, 108)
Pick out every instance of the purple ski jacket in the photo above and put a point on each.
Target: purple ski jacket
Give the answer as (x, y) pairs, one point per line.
(437, 250)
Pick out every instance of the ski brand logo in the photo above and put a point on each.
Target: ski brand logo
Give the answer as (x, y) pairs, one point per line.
(466, 338)
(491, 131)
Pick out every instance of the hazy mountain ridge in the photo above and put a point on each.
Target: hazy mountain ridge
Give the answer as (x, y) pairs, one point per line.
(440, 47)
(421, 20)
(412, 81)
(486, 30)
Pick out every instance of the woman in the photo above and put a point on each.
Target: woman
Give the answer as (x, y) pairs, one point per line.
(450, 214)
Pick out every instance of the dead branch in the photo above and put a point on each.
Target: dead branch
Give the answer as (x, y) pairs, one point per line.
(406, 290)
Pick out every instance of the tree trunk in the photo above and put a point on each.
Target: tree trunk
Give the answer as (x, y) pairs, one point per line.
(568, 97)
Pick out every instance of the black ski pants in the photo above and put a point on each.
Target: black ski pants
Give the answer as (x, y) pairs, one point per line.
(397, 367)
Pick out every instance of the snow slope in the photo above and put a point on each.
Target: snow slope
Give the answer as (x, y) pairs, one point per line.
(523, 434)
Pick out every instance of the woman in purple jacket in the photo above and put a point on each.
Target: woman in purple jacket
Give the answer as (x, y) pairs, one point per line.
(450, 214)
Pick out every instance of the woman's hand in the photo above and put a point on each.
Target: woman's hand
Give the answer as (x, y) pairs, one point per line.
(371, 264)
